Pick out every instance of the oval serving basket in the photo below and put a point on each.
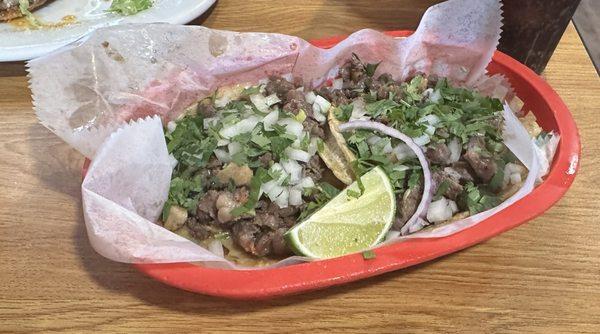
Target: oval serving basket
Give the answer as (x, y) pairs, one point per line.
(538, 96)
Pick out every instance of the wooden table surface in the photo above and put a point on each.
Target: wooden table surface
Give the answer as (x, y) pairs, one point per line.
(541, 277)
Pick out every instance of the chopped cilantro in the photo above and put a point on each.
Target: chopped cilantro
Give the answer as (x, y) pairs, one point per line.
(498, 178)
(129, 7)
(477, 199)
(321, 194)
(261, 140)
(343, 112)
(260, 176)
(368, 255)
(442, 188)
(353, 193)
(371, 68)
(24, 8)
(250, 91)
(380, 107)
(279, 144)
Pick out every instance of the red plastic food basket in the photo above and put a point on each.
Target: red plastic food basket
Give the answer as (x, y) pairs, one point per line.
(538, 97)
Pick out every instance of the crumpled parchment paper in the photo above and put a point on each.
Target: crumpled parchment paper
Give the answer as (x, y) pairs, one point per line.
(107, 94)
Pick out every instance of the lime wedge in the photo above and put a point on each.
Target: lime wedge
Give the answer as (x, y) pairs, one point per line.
(347, 224)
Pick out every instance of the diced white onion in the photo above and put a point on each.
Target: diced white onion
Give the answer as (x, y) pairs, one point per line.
(387, 149)
(373, 140)
(243, 126)
(515, 178)
(435, 96)
(274, 191)
(296, 154)
(283, 199)
(321, 105)
(292, 127)
(272, 99)
(208, 122)
(259, 101)
(429, 119)
(318, 116)
(270, 119)
(441, 210)
(403, 152)
(429, 130)
(172, 125)
(337, 83)
(222, 155)
(268, 186)
(307, 182)
(455, 150)
(234, 147)
(358, 110)
(293, 169)
(295, 197)
(310, 97)
(422, 140)
(512, 174)
(277, 168)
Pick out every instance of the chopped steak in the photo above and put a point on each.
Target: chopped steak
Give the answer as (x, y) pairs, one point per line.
(438, 153)
(407, 205)
(198, 229)
(314, 128)
(451, 181)
(279, 86)
(315, 168)
(206, 108)
(295, 101)
(207, 208)
(480, 159)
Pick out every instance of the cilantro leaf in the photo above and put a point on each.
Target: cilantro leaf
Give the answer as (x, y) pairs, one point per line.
(368, 255)
(343, 112)
(279, 144)
(261, 140)
(129, 7)
(381, 107)
(371, 68)
(352, 193)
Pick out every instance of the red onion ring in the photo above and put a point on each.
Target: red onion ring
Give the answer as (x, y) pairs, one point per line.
(421, 211)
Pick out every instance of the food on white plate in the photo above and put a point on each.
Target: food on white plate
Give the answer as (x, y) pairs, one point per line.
(257, 163)
(12, 9)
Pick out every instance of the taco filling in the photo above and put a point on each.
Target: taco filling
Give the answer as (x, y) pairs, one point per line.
(253, 161)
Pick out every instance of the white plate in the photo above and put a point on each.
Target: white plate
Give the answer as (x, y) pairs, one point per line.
(22, 44)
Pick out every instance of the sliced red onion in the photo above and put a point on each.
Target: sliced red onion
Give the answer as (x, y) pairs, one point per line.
(427, 195)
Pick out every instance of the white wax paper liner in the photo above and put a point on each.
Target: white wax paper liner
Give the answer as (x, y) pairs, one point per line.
(84, 92)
